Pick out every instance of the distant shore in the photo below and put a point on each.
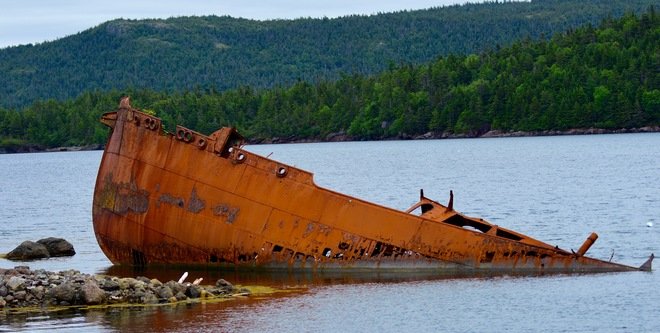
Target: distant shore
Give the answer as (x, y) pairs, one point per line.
(343, 137)
(34, 148)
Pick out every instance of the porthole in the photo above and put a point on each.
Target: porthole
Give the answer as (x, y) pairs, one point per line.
(281, 172)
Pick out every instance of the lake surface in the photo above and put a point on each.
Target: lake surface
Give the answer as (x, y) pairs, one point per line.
(556, 189)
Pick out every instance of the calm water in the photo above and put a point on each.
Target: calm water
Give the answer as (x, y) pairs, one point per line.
(558, 189)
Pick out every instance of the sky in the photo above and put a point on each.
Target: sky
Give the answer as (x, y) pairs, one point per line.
(36, 21)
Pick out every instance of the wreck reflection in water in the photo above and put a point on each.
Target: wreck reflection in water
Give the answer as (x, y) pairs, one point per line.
(295, 278)
(552, 304)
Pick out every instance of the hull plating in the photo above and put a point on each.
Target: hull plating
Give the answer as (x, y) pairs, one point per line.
(187, 198)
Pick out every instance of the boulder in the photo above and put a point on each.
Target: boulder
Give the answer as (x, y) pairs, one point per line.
(222, 283)
(57, 247)
(193, 291)
(16, 283)
(25, 270)
(39, 292)
(143, 279)
(150, 298)
(156, 283)
(124, 283)
(165, 292)
(180, 296)
(176, 287)
(20, 295)
(109, 285)
(92, 294)
(28, 250)
(65, 292)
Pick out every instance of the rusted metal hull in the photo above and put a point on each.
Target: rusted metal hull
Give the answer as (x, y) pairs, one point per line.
(187, 198)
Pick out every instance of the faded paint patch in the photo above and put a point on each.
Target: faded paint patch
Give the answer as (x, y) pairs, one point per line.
(170, 200)
(195, 204)
(309, 229)
(324, 229)
(122, 198)
(136, 201)
(226, 211)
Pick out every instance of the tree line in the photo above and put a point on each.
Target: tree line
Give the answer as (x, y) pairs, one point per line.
(223, 53)
(604, 77)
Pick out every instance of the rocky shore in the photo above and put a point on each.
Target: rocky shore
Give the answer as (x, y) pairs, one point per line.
(40, 290)
(34, 148)
(343, 136)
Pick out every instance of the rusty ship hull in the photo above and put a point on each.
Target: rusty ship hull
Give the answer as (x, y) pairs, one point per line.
(188, 198)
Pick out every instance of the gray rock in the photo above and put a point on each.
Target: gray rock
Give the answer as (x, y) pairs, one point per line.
(109, 285)
(65, 292)
(220, 291)
(143, 279)
(38, 292)
(165, 292)
(57, 247)
(137, 296)
(150, 298)
(2, 302)
(180, 296)
(25, 270)
(70, 272)
(20, 295)
(156, 283)
(176, 287)
(137, 284)
(28, 251)
(193, 291)
(3, 291)
(16, 283)
(92, 294)
(124, 283)
(223, 283)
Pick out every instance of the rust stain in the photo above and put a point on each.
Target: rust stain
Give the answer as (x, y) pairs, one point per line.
(285, 219)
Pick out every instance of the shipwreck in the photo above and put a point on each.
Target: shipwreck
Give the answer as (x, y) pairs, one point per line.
(189, 198)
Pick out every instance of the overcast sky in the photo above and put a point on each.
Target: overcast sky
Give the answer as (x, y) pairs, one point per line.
(36, 21)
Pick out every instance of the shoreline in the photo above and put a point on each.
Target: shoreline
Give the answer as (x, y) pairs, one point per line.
(26, 290)
(343, 137)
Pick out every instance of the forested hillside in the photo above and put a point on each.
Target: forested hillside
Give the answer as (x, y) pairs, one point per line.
(222, 53)
(604, 77)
